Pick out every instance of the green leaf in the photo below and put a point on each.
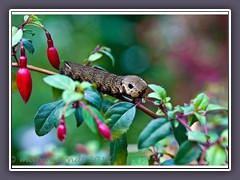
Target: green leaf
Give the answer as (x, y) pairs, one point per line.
(25, 18)
(17, 36)
(179, 133)
(89, 120)
(159, 90)
(79, 116)
(70, 96)
(154, 95)
(106, 104)
(34, 19)
(139, 161)
(197, 136)
(94, 57)
(169, 162)
(84, 85)
(202, 119)
(27, 43)
(120, 116)
(192, 119)
(155, 131)
(60, 81)
(213, 136)
(188, 152)
(93, 97)
(14, 30)
(107, 53)
(14, 82)
(216, 155)
(215, 107)
(200, 102)
(118, 151)
(224, 136)
(46, 117)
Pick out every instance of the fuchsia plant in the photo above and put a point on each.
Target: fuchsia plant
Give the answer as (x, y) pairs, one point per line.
(111, 120)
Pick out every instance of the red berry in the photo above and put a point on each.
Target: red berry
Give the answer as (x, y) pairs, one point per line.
(104, 130)
(61, 130)
(24, 83)
(52, 54)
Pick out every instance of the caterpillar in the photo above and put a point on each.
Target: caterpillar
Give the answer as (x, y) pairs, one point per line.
(106, 82)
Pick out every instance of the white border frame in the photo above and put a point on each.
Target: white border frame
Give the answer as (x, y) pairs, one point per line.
(119, 12)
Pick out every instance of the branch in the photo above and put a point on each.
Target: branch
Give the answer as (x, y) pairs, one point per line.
(140, 106)
(37, 69)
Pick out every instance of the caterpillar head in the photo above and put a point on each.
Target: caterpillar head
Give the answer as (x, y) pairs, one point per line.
(133, 86)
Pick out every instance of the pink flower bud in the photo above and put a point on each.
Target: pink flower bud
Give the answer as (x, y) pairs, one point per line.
(61, 130)
(24, 80)
(52, 54)
(104, 130)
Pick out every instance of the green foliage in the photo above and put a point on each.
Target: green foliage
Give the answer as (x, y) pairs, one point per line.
(215, 107)
(16, 35)
(60, 81)
(154, 132)
(79, 116)
(188, 152)
(200, 102)
(46, 117)
(179, 133)
(216, 155)
(139, 161)
(89, 119)
(119, 118)
(27, 43)
(93, 97)
(87, 104)
(197, 136)
(118, 151)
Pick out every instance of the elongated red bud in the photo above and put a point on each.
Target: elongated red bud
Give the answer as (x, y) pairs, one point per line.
(24, 83)
(52, 54)
(62, 130)
(104, 130)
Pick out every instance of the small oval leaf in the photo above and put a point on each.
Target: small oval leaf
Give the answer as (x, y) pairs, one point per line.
(79, 116)
(17, 37)
(188, 152)
(216, 155)
(120, 118)
(94, 57)
(197, 136)
(46, 117)
(60, 81)
(155, 131)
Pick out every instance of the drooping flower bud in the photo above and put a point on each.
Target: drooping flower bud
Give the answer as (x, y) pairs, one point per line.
(52, 52)
(104, 130)
(24, 80)
(62, 130)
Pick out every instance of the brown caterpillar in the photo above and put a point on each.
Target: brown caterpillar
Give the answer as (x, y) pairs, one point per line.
(106, 82)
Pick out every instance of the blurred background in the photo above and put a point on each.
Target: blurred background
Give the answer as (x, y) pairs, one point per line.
(185, 54)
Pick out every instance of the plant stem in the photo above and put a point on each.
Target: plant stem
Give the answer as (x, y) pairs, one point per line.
(37, 69)
(141, 107)
(155, 153)
(89, 110)
(201, 161)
